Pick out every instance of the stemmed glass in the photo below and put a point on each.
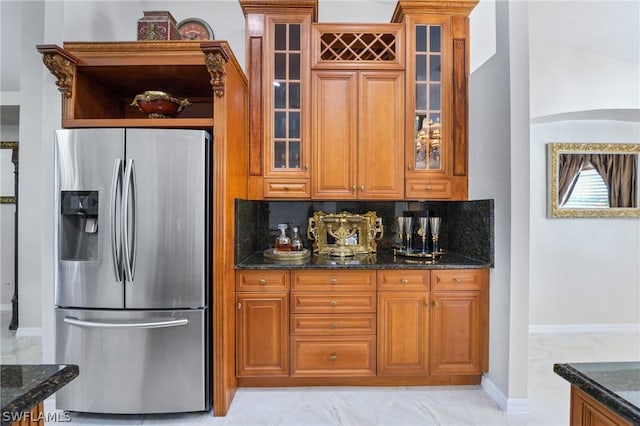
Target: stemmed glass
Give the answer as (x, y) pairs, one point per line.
(408, 224)
(434, 222)
(400, 220)
(423, 232)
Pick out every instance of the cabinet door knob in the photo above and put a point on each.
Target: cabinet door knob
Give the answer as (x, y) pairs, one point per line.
(362, 188)
(333, 280)
(262, 281)
(409, 167)
(333, 325)
(435, 304)
(426, 303)
(306, 167)
(333, 357)
(404, 281)
(333, 303)
(239, 305)
(353, 188)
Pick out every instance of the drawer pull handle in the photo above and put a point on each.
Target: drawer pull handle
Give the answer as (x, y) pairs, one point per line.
(458, 280)
(333, 325)
(333, 303)
(429, 188)
(262, 281)
(333, 280)
(333, 357)
(404, 281)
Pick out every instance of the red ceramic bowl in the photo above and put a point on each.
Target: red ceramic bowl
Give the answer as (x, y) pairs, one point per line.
(158, 104)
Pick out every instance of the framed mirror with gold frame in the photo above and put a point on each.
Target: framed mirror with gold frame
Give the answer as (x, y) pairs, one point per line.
(591, 180)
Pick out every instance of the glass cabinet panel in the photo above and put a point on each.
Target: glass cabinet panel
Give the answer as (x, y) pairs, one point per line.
(428, 96)
(286, 134)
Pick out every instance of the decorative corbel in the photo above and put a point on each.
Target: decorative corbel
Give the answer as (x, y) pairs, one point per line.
(216, 65)
(62, 66)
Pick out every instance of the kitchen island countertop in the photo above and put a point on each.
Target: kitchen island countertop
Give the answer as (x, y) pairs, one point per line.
(616, 385)
(26, 386)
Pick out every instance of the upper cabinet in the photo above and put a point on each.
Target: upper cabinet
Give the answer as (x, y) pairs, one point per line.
(437, 97)
(100, 80)
(278, 64)
(358, 111)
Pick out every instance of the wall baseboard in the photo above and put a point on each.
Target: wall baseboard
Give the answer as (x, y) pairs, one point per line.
(513, 405)
(584, 328)
(29, 331)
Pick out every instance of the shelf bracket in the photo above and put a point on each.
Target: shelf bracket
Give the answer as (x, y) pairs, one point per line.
(216, 65)
(62, 66)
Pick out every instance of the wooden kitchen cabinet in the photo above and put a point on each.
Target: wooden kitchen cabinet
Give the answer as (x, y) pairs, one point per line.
(357, 134)
(278, 65)
(459, 322)
(403, 323)
(333, 331)
(262, 323)
(437, 61)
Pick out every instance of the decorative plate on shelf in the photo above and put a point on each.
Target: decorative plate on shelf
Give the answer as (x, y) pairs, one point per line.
(195, 29)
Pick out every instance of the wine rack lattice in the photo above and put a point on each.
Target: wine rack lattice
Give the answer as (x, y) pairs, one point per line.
(358, 46)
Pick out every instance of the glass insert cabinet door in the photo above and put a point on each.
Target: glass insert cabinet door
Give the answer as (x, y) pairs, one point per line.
(285, 132)
(428, 97)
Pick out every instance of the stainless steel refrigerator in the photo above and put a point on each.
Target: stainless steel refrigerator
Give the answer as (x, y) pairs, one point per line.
(131, 284)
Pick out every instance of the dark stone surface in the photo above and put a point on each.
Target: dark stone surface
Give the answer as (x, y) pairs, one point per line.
(615, 385)
(467, 228)
(380, 260)
(25, 386)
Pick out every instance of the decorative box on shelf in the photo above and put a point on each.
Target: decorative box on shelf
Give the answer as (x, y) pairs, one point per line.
(158, 25)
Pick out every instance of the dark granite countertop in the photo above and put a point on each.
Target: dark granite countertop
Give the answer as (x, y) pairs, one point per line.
(25, 386)
(380, 260)
(616, 385)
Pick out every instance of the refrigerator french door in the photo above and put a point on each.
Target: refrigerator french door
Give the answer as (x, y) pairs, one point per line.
(131, 297)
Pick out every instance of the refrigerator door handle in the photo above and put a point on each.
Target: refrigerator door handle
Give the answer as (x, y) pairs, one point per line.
(127, 229)
(172, 322)
(115, 186)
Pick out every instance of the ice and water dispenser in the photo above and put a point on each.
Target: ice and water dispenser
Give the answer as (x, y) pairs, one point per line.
(79, 225)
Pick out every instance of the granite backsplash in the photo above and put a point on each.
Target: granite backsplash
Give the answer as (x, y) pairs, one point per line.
(467, 226)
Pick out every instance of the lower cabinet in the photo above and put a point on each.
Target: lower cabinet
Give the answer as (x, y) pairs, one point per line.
(262, 324)
(385, 325)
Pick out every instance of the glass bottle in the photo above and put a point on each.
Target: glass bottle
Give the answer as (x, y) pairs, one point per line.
(283, 243)
(296, 241)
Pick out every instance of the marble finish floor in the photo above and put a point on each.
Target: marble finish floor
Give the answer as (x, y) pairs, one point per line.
(548, 393)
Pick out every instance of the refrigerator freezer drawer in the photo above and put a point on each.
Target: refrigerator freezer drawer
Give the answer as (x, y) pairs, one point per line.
(133, 362)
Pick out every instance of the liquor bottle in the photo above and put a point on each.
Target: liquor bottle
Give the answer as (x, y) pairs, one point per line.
(296, 241)
(283, 243)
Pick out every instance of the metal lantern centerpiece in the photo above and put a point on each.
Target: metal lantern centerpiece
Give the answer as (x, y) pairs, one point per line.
(344, 234)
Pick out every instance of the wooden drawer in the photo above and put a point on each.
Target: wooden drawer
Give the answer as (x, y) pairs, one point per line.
(326, 281)
(339, 302)
(333, 356)
(332, 324)
(262, 280)
(406, 280)
(427, 189)
(459, 279)
(280, 188)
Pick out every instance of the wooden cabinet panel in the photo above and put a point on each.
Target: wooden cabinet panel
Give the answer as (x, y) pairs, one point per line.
(358, 134)
(262, 280)
(404, 280)
(325, 281)
(349, 356)
(586, 411)
(459, 279)
(457, 332)
(403, 333)
(262, 334)
(334, 134)
(333, 324)
(345, 302)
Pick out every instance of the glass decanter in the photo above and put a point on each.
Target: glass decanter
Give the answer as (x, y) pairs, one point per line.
(283, 243)
(296, 241)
